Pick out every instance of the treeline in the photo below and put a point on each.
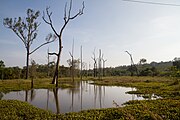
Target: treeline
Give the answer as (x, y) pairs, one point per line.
(36, 70)
(171, 68)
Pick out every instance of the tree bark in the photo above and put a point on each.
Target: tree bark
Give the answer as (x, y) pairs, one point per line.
(27, 64)
(67, 18)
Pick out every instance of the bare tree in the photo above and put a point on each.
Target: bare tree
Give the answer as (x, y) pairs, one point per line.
(81, 61)
(104, 61)
(48, 63)
(26, 30)
(72, 61)
(132, 64)
(100, 65)
(67, 19)
(95, 63)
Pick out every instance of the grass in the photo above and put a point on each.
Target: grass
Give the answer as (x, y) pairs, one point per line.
(161, 86)
(22, 84)
(165, 109)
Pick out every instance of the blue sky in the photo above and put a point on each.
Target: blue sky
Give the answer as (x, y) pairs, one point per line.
(114, 26)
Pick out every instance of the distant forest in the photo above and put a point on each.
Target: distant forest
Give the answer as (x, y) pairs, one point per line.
(170, 68)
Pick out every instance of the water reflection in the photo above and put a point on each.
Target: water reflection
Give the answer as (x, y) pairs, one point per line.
(83, 96)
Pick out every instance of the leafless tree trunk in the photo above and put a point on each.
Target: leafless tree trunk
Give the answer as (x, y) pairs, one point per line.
(132, 64)
(95, 63)
(81, 62)
(104, 60)
(48, 63)
(67, 19)
(100, 67)
(72, 61)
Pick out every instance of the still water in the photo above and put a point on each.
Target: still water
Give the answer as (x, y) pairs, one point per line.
(84, 96)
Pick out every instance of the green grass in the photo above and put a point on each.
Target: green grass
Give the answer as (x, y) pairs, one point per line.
(161, 86)
(22, 84)
(165, 109)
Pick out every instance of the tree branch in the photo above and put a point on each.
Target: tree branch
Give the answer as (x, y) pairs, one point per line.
(41, 46)
(49, 20)
(53, 54)
(78, 14)
(70, 54)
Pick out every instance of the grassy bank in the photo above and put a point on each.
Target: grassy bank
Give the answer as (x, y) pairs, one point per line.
(135, 110)
(22, 84)
(161, 86)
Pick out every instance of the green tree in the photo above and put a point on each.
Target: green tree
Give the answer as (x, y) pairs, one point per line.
(142, 61)
(176, 63)
(26, 30)
(74, 66)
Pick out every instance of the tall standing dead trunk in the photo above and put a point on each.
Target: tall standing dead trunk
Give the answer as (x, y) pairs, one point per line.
(99, 62)
(133, 66)
(81, 62)
(67, 19)
(72, 61)
(95, 63)
(104, 61)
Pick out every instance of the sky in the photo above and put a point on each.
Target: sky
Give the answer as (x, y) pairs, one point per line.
(145, 30)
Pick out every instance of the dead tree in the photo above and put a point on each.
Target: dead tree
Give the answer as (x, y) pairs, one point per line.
(100, 65)
(103, 60)
(72, 61)
(67, 19)
(95, 63)
(81, 62)
(48, 63)
(132, 64)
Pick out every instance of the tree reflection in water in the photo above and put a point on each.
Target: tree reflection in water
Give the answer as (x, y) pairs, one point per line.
(55, 91)
(82, 96)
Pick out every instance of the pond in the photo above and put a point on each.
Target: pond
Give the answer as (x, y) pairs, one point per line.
(82, 97)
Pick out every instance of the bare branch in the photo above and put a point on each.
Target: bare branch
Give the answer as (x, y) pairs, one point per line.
(53, 54)
(40, 46)
(78, 14)
(128, 53)
(70, 54)
(22, 38)
(50, 36)
(70, 7)
(49, 21)
(65, 8)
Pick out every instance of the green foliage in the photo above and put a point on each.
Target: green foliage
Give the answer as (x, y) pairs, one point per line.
(13, 109)
(2, 65)
(149, 72)
(176, 63)
(164, 109)
(165, 87)
(26, 30)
